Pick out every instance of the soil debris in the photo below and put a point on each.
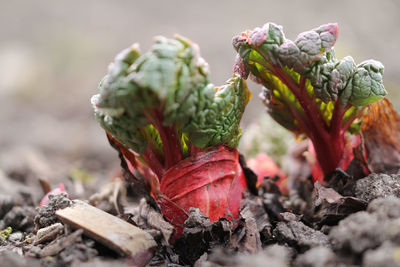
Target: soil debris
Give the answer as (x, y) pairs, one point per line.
(246, 237)
(378, 185)
(58, 245)
(110, 197)
(264, 226)
(48, 233)
(357, 233)
(298, 235)
(387, 255)
(274, 255)
(46, 214)
(317, 257)
(146, 217)
(200, 236)
(10, 258)
(369, 229)
(16, 237)
(330, 207)
(385, 208)
(19, 219)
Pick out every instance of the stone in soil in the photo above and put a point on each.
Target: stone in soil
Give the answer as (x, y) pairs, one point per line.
(16, 237)
(299, 235)
(378, 186)
(48, 233)
(46, 214)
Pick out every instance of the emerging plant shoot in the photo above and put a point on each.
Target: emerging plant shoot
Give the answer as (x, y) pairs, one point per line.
(176, 128)
(307, 90)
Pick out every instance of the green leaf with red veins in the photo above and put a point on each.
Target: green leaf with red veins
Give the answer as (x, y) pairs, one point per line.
(305, 88)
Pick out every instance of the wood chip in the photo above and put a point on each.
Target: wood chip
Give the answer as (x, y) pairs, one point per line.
(107, 229)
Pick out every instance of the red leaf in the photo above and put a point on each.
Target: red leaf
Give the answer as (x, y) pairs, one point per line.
(211, 180)
(264, 166)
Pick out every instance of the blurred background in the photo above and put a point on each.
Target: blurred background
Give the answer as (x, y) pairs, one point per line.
(54, 53)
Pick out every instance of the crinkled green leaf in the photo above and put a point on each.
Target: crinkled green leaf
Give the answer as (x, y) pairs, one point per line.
(217, 120)
(265, 51)
(311, 55)
(169, 83)
(366, 84)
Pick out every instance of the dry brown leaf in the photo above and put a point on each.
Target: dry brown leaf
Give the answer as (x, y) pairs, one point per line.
(380, 130)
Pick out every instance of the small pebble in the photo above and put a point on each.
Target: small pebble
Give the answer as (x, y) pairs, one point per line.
(16, 237)
(48, 233)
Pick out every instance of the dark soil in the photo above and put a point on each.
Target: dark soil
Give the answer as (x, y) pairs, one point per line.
(327, 229)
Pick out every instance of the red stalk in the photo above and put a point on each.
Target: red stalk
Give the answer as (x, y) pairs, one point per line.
(171, 144)
(152, 161)
(328, 141)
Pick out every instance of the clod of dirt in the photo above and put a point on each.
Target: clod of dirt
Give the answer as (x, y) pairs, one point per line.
(385, 208)
(378, 186)
(274, 255)
(368, 230)
(357, 233)
(19, 219)
(387, 255)
(46, 214)
(317, 257)
(299, 235)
